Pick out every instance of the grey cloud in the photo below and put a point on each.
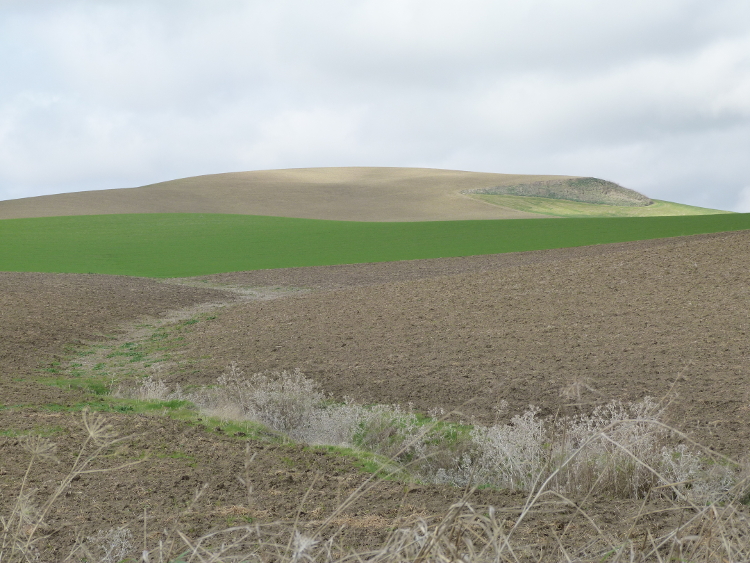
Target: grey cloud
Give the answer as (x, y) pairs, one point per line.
(116, 94)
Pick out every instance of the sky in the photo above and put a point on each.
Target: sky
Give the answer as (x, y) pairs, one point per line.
(653, 95)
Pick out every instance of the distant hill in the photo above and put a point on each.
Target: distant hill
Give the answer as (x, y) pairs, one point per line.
(353, 194)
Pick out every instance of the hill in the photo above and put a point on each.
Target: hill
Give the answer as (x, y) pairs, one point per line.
(357, 194)
(344, 194)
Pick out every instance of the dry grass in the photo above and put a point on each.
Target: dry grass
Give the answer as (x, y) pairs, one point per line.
(24, 528)
(717, 531)
(622, 451)
(618, 450)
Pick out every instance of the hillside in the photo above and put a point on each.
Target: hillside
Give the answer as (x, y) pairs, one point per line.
(346, 194)
(553, 207)
(361, 194)
(185, 244)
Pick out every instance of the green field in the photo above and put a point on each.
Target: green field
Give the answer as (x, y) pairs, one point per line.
(177, 245)
(567, 208)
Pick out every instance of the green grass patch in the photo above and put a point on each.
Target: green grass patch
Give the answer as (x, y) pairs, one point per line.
(567, 208)
(107, 365)
(94, 385)
(369, 462)
(179, 245)
(183, 411)
(177, 455)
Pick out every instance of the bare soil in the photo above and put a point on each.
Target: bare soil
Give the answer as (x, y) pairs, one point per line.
(564, 330)
(42, 315)
(578, 326)
(176, 462)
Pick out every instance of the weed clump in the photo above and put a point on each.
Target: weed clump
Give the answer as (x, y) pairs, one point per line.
(521, 453)
(284, 401)
(111, 546)
(620, 450)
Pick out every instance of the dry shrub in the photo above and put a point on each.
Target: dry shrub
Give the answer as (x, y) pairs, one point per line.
(152, 388)
(293, 404)
(620, 450)
(111, 546)
(715, 531)
(282, 400)
(391, 431)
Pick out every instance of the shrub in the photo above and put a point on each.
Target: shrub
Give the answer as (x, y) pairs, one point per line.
(714, 531)
(621, 450)
(282, 400)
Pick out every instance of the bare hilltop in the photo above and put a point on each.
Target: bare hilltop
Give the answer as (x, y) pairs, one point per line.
(347, 194)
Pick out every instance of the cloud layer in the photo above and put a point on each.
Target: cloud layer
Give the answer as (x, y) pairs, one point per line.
(106, 94)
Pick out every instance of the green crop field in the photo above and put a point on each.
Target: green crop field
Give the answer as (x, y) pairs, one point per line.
(177, 245)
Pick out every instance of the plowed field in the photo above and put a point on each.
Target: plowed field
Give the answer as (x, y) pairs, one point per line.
(564, 330)
(596, 324)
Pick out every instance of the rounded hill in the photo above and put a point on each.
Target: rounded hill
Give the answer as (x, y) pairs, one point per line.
(362, 194)
(351, 194)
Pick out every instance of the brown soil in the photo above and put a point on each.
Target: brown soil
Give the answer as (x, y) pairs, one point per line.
(592, 325)
(351, 194)
(564, 330)
(175, 461)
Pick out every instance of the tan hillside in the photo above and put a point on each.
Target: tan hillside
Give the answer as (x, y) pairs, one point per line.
(355, 194)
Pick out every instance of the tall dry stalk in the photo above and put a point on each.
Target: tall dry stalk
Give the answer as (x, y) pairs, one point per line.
(21, 528)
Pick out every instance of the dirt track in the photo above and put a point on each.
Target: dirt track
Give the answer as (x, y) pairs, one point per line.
(43, 314)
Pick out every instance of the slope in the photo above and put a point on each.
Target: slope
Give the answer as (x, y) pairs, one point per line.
(344, 194)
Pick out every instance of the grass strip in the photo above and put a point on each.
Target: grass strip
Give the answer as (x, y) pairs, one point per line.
(181, 245)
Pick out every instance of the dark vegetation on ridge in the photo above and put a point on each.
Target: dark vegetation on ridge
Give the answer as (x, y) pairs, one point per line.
(586, 190)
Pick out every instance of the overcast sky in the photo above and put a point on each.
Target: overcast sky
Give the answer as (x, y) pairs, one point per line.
(654, 95)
